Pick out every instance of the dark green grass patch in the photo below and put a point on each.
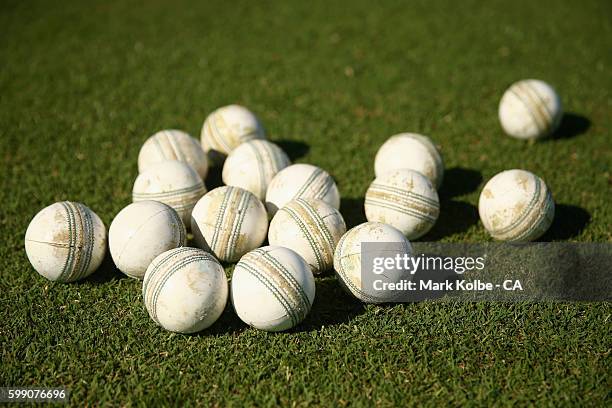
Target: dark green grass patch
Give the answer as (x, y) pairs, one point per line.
(82, 85)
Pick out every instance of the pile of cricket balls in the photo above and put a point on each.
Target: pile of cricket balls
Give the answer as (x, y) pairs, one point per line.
(296, 207)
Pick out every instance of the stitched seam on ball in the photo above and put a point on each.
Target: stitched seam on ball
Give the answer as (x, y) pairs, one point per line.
(537, 102)
(229, 219)
(307, 234)
(195, 188)
(242, 209)
(87, 239)
(319, 187)
(306, 184)
(68, 262)
(540, 103)
(284, 272)
(543, 103)
(160, 148)
(260, 169)
(405, 193)
(176, 148)
(151, 277)
(276, 292)
(322, 226)
(294, 289)
(526, 211)
(327, 184)
(536, 224)
(78, 243)
(157, 274)
(176, 200)
(71, 241)
(248, 136)
(347, 281)
(168, 274)
(270, 164)
(181, 228)
(534, 117)
(328, 241)
(181, 203)
(221, 140)
(424, 210)
(214, 133)
(318, 220)
(219, 221)
(400, 209)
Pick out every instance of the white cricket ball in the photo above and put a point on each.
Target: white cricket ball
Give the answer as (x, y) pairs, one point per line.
(530, 109)
(404, 199)
(272, 288)
(348, 258)
(65, 241)
(229, 221)
(301, 181)
(171, 182)
(185, 290)
(228, 127)
(311, 228)
(252, 165)
(173, 145)
(140, 232)
(516, 205)
(410, 151)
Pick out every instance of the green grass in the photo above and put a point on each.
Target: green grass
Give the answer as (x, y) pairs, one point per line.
(83, 85)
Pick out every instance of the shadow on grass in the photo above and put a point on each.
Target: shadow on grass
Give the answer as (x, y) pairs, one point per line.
(332, 306)
(571, 125)
(569, 222)
(352, 211)
(455, 217)
(228, 323)
(459, 181)
(107, 272)
(293, 148)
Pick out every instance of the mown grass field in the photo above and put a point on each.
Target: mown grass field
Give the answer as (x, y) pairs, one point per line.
(82, 85)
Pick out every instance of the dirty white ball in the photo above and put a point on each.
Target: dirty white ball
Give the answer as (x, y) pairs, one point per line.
(140, 232)
(516, 205)
(252, 165)
(172, 145)
(301, 181)
(311, 228)
(272, 288)
(348, 257)
(410, 151)
(228, 127)
(404, 199)
(229, 221)
(185, 290)
(171, 182)
(530, 109)
(65, 241)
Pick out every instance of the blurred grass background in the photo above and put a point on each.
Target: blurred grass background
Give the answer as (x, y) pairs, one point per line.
(82, 85)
